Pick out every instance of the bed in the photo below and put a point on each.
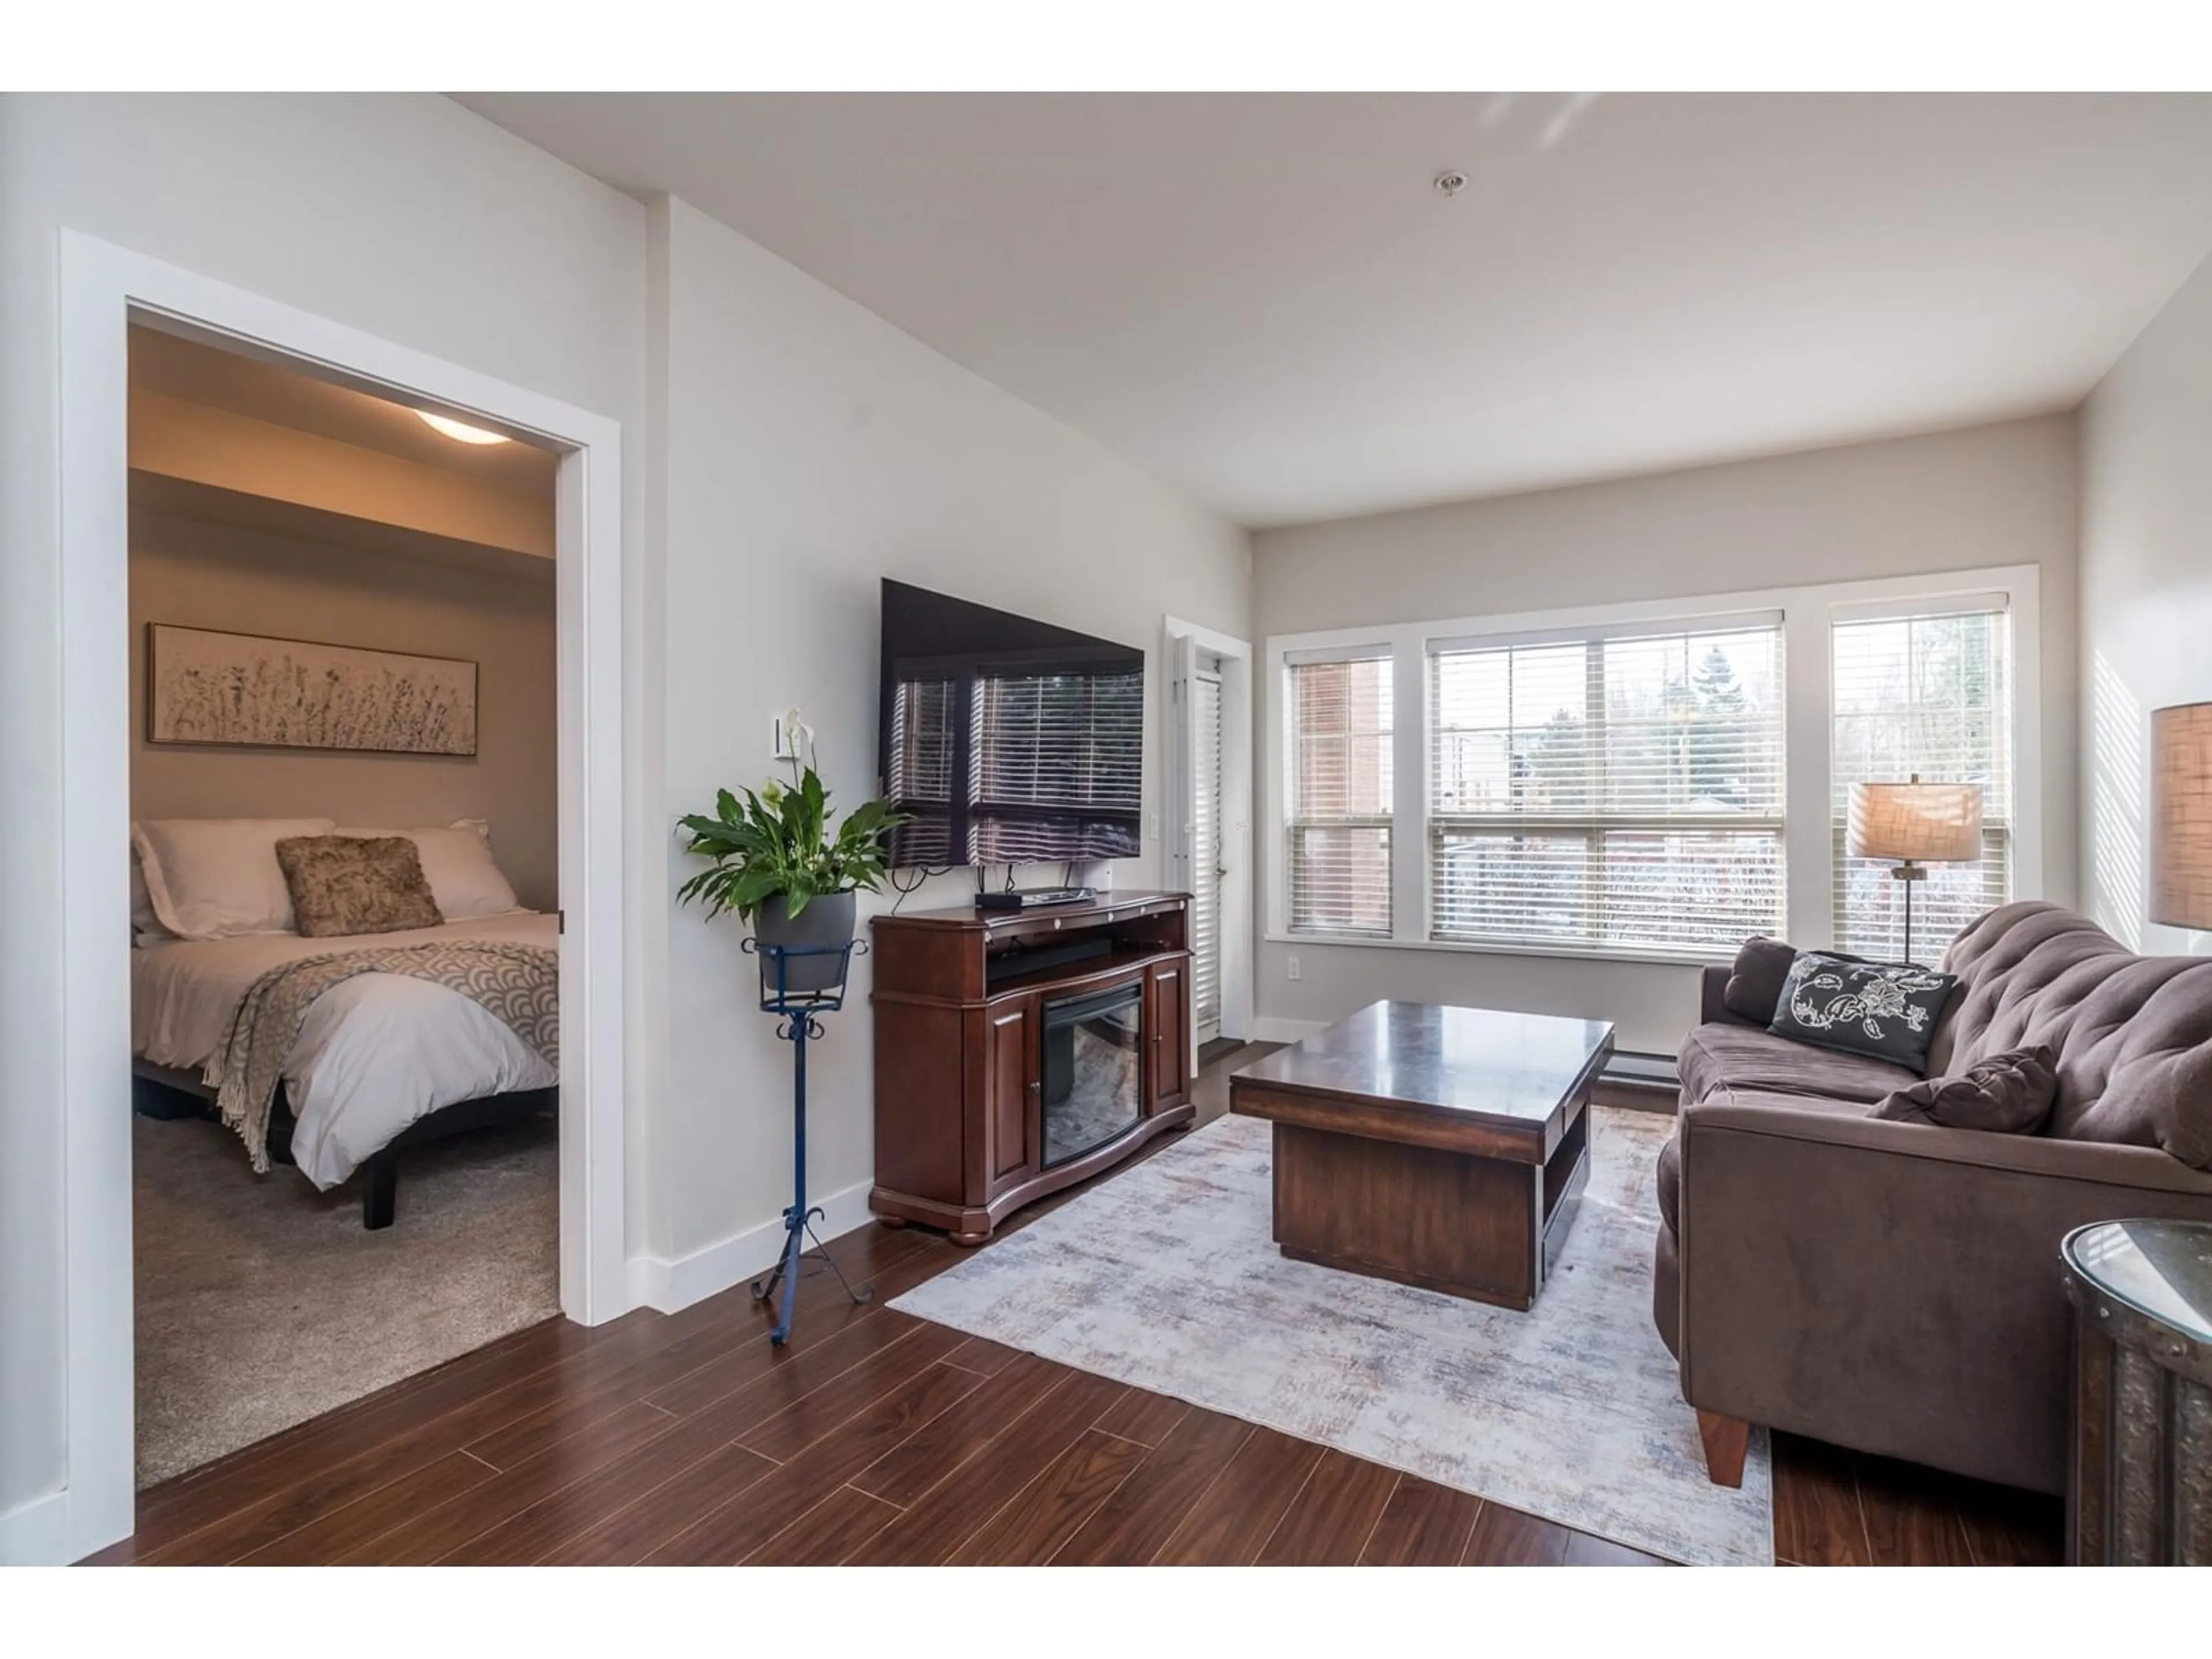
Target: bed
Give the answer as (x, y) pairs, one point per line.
(381, 1060)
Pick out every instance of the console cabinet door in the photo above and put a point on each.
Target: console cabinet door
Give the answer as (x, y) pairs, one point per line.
(1011, 1089)
(1167, 1020)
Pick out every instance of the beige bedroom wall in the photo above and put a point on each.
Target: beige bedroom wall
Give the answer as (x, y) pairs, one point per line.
(202, 574)
(189, 440)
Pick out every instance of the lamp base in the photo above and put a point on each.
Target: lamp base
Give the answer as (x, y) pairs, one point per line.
(1907, 871)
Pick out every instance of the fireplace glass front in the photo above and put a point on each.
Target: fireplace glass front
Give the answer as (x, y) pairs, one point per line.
(1091, 1077)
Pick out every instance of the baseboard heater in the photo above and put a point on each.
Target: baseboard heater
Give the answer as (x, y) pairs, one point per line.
(1632, 1070)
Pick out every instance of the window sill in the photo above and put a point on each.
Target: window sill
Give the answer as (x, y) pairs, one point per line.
(1462, 947)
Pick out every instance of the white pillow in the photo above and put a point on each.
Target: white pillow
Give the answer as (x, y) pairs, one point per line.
(145, 926)
(464, 878)
(218, 877)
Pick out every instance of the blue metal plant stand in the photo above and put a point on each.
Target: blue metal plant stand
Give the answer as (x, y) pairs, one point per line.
(799, 1023)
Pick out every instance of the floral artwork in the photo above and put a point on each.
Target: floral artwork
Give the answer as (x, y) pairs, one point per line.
(204, 687)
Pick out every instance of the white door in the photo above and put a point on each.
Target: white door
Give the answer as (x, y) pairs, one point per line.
(1206, 848)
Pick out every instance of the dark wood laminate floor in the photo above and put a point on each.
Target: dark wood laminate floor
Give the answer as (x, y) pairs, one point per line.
(877, 1438)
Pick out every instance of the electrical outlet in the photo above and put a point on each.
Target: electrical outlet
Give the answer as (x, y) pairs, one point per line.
(1291, 966)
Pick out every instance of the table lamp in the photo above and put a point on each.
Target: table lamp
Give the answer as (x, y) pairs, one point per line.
(1916, 825)
(2181, 815)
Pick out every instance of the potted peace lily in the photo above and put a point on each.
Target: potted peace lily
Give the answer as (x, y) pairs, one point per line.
(777, 862)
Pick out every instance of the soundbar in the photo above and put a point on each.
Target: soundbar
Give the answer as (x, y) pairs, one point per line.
(1032, 898)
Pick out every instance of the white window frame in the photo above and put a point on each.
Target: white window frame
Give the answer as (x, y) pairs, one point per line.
(1807, 611)
(1368, 647)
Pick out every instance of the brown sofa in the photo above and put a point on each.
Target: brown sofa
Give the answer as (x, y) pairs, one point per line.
(1893, 1287)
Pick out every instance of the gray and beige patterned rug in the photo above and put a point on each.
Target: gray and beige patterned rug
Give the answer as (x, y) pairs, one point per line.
(1165, 1277)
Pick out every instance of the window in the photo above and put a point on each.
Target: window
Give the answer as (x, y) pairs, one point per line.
(1339, 791)
(1619, 792)
(1929, 693)
(1610, 780)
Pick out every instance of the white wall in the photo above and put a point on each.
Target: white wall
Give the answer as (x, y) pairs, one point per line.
(1990, 496)
(2146, 592)
(405, 216)
(813, 449)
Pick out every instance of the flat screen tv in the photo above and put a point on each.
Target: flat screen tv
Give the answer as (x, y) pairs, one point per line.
(1007, 740)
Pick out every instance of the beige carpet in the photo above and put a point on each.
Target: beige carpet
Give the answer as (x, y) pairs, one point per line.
(262, 1303)
(1166, 1276)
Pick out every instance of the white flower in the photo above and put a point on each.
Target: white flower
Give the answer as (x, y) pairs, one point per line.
(798, 737)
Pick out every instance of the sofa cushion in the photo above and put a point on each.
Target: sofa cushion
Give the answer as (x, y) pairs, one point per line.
(1754, 984)
(1885, 1010)
(2133, 1034)
(1669, 1169)
(1726, 1062)
(2008, 1094)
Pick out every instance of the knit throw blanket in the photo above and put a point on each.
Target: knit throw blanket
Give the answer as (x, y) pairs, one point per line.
(520, 984)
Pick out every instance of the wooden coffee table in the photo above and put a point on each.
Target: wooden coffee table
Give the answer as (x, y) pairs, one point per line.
(1440, 1146)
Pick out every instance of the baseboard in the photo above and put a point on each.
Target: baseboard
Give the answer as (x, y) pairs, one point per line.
(656, 1282)
(1271, 1028)
(36, 1533)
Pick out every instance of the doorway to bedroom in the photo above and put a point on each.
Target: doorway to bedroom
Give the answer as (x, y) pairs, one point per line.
(345, 893)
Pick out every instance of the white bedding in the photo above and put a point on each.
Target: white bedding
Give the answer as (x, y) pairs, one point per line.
(374, 1054)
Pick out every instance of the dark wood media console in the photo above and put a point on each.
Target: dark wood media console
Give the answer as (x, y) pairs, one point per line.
(1019, 1052)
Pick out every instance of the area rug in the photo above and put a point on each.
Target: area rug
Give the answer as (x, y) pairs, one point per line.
(262, 1303)
(1165, 1277)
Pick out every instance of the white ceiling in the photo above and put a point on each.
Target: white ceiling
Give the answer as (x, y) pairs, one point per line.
(1260, 297)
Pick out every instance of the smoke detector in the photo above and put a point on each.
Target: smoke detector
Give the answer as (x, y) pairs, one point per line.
(1451, 182)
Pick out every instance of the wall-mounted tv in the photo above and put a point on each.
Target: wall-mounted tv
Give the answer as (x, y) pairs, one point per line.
(1007, 740)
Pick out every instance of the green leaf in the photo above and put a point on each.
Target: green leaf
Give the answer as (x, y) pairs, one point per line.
(778, 843)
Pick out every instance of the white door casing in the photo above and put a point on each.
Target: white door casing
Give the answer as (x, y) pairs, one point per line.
(102, 290)
(1186, 644)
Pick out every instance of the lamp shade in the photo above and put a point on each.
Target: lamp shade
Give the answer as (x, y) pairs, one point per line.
(1925, 823)
(2181, 815)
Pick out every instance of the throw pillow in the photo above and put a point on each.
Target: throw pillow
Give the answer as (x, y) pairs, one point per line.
(343, 884)
(2007, 1094)
(1882, 1009)
(1754, 984)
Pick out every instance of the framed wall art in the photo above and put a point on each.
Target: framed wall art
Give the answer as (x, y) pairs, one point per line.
(244, 690)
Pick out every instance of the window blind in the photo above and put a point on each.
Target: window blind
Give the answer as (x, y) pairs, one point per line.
(1043, 745)
(1205, 854)
(1339, 822)
(1613, 792)
(922, 761)
(1928, 693)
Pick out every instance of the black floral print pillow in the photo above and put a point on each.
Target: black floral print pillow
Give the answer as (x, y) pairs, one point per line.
(1888, 1010)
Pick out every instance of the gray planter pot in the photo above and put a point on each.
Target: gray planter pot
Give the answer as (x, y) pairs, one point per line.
(824, 921)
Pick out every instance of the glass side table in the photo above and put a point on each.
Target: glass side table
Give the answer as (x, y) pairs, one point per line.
(2139, 1485)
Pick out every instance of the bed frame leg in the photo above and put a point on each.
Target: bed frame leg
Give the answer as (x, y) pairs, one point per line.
(379, 1190)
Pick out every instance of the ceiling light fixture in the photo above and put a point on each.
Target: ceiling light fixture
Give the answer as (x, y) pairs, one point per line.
(461, 431)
